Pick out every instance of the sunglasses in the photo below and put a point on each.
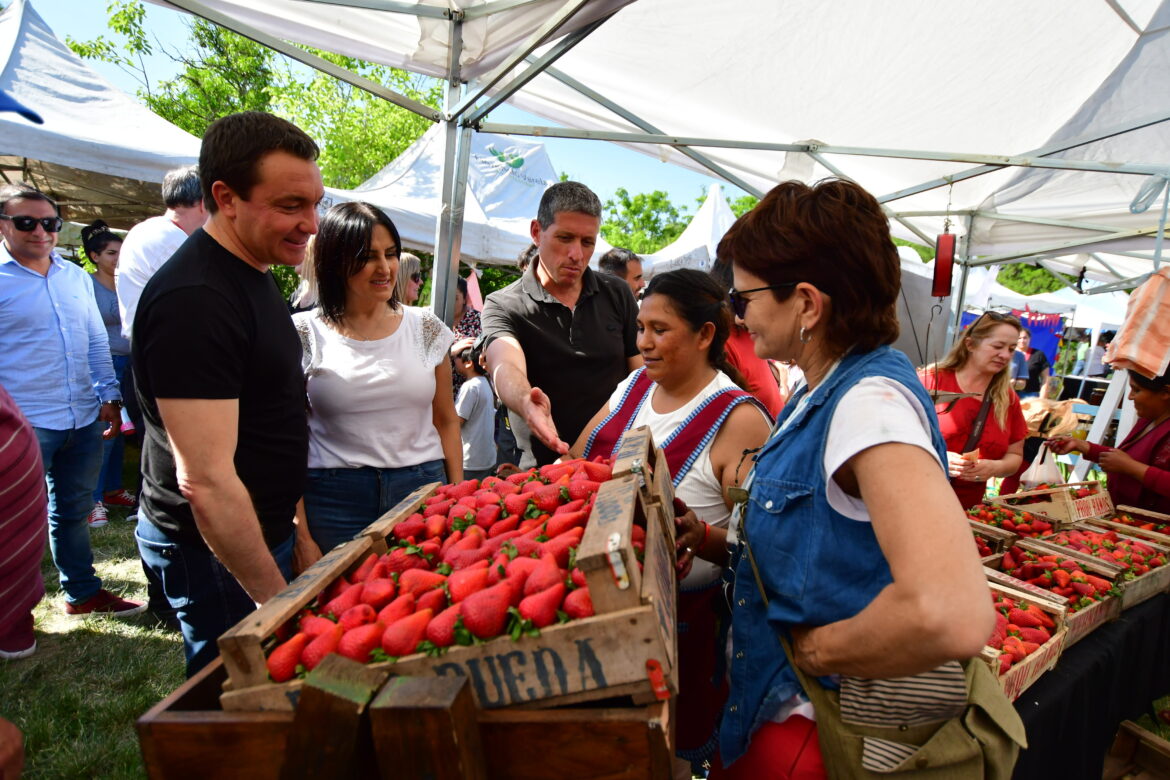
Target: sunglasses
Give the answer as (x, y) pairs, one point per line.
(739, 303)
(995, 316)
(416, 278)
(29, 224)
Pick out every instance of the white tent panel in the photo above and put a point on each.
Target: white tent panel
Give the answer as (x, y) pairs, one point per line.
(695, 246)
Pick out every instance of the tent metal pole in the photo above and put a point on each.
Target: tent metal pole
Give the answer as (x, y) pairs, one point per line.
(542, 35)
(536, 67)
(888, 211)
(313, 61)
(1044, 151)
(1124, 284)
(1045, 221)
(1162, 226)
(456, 154)
(495, 7)
(1105, 265)
(544, 131)
(1060, 275)
(642, 124)
(393, 6)
(1053, 249)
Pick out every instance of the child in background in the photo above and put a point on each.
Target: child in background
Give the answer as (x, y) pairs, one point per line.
(476, 407)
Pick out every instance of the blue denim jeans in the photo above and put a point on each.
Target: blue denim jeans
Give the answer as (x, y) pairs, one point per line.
(113, 449)
(340, 503)
(206, 598)
(72, 459)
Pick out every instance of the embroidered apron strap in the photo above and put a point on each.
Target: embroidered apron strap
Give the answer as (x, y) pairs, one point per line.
(683, 445)
(608, 432)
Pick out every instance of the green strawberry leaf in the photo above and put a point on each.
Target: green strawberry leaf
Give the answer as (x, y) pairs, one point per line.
(542, 538)
(572, 558)
(443, 568)
(394, 576)
(562, 617)
(531, 630)
(301, 670)
(462, 525)
(532, 511)
(430, 649)
(509, 549)
(500, 568)
(379, 655)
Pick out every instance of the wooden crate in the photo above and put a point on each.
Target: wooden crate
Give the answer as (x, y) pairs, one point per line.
(1162, 521)
(1140, 588)
(1017, 679)
(188, 735)
(997, 538)
(628, 648)
(1056, 502)
(1137, 754)
(1080, 623)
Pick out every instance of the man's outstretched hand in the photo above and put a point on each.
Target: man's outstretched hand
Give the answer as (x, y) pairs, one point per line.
(538, 416)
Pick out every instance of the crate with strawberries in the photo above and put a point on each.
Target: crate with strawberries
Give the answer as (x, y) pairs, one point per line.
(1028, 639)
(1084, 586)
(1143, 520)
(1015, 521)
(1062, 504)
(553, 585)
(1143, 571)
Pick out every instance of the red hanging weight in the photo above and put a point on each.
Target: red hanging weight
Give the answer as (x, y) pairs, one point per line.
(944, 261)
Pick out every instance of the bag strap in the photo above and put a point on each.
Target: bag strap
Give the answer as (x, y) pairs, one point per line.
(980, 422)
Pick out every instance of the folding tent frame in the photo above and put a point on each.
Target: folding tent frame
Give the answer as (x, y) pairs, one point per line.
(467, 104)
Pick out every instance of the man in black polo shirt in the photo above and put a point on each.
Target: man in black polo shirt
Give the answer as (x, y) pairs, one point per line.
(562, 336)
(218, 369)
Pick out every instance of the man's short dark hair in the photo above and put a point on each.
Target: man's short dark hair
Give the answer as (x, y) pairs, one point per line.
(567, 196)
(616, 260)
(181, 187)
(235, 144)
(23, 191)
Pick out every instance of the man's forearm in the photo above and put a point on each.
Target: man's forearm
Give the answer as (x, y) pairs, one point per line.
(227, 520)
(512, 386)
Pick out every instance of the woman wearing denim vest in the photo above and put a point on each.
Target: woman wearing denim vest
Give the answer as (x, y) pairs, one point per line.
(861, 545)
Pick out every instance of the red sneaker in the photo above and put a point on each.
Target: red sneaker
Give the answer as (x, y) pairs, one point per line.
(105, 603)
(122, 498)
(98, 516)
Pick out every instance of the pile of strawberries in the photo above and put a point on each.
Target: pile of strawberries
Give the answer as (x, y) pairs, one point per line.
(1076, 492)
(482, 559)
(1020, 630)
(1016, 521)
(1143, 523)
(1063, 576)
(984, 549)
(1133, 556)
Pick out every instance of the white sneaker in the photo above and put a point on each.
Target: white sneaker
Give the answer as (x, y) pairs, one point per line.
(98, 516)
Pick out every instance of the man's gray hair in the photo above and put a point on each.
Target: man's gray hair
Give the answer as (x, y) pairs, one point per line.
(181, 187)
(567, 196)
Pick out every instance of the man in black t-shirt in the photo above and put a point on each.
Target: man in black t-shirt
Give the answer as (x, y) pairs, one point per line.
(217, 363)
(1038, 367)
(561, 338)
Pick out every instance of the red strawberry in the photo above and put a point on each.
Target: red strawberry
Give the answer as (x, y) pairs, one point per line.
(320, 647)
(1005, 662)
(464, 582)
(357, 615)
(486, 517)
(554, 471)
(505, 488)
(560, 546)
(490, 482)
(465, 558)
(435, 526)
(525, 547)
(315, 625)
(488, 498)
(485, 612)
(522, 567)
(546, 574)
(333, 590)
(398, 608)
(547, 498)
(438, 508)
(412, 526)
(454, 538)
(441, 629)
(520, 477)
(541, 608)
(400, 560)
(578, 603)
(363, 571)
(349, 598)
(402, 637)
(509, 523)
(582, 489)
(434, 600)
(1101, 585)
(378, 592)
(530, 488)
(470, 541)
(573, 506)
(464, 488)
(1037, 635)
(516, 504)
(357, 643)
(598, 472)
(283, 660)
(497, 568)
(578, 577)
(558, 524)
(419, 581)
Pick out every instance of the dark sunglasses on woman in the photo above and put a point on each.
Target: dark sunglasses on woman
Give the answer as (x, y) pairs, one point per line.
(739, 303)
(416, 278)
(29, 224)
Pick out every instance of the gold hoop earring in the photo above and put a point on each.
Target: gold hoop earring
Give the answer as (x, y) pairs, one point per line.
(805, 337)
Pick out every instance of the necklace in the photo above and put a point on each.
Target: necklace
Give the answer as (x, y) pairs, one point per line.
(371, 330)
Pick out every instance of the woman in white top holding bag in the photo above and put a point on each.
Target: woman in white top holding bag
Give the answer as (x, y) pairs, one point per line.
(382, 420)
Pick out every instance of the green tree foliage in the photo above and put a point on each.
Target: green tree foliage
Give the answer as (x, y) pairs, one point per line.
(1028, 279)
(642, 223)
(743, 204)
(925, 252)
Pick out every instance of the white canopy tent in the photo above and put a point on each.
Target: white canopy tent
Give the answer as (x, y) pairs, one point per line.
(100, 151)
(695, 246)
(924, 103)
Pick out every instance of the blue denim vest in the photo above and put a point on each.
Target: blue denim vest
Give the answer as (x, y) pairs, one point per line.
(817, 565)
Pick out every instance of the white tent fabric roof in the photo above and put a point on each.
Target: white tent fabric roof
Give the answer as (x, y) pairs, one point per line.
(942, 76)
(89, 123)
(695, 246)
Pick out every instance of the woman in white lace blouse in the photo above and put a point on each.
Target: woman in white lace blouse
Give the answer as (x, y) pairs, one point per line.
(381, 417)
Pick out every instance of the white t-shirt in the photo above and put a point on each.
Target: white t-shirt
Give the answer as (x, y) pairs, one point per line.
(699, 488)
(370, 401)
(147, 246)
(476, 405)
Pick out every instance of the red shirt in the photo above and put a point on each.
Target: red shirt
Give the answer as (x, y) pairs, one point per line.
(1153, 449)
(758, 375)
(956, 428)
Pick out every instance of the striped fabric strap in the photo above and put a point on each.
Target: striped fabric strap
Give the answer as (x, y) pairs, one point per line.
(608, 433)
(683, 446)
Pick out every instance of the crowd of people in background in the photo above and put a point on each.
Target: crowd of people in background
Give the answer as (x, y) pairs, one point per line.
(271, 431)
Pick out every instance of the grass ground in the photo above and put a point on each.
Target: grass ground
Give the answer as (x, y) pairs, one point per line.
(77, 698)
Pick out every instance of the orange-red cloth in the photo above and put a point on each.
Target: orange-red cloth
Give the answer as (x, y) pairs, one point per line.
(760, 381)
(778, 751)
(1143, 342)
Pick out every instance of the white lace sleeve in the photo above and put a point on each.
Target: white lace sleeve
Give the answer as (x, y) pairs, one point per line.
(435, 338)
(305, 331)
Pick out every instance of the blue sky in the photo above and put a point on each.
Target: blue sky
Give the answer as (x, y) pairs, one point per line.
(602, 166)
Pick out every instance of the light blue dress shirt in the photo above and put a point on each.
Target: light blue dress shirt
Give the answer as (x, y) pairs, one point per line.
(55, 360)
